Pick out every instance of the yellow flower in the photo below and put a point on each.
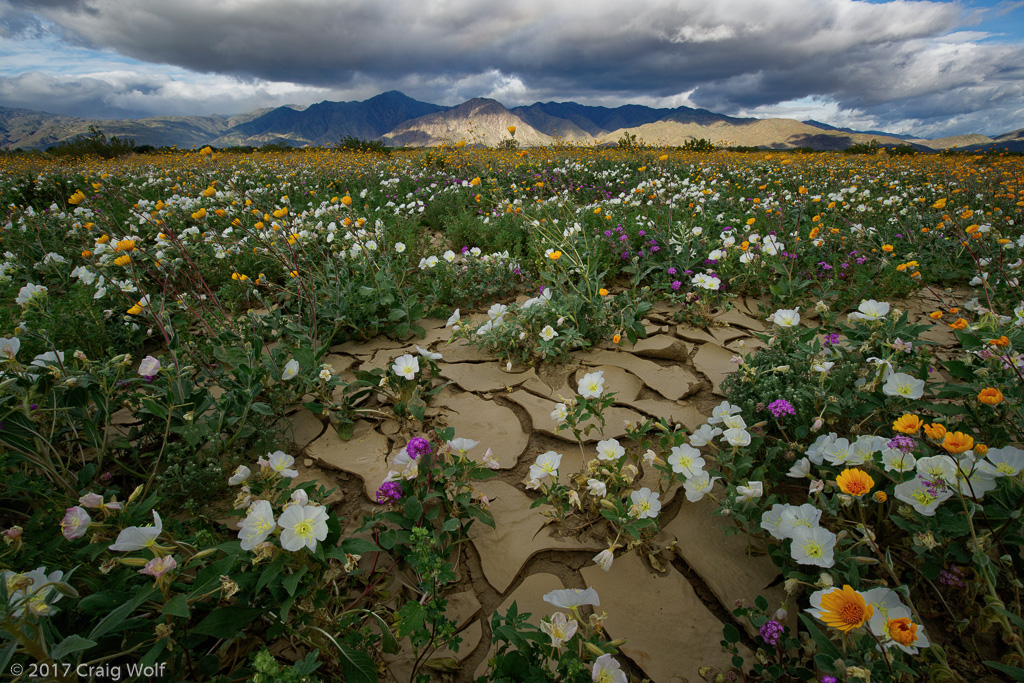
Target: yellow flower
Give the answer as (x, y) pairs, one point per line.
(663, 157)
(135, 310)
(200, 214)
(475, 181)
(616, 339)
(750, 221)
(346, 200)
(957, 442)
(603, 291)
(980, 450)
(512, 130)
(77, 198)
(802, 190)
(123, 260)
(460, 143)
(814, 232)
(845, 609)
(934, 431)
(935, 315)
(887, 248)
(210, 191)
(855, 482)
(959, 324)
(555, 255)
(125, 245)
(281, 213)
(86, 253)
(103, 239)
(941, 204)
(206, 151)
(990, 396)
(907, 424)
(879, 496)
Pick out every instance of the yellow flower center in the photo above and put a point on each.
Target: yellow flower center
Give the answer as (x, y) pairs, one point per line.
(304, 529)
(813, 549)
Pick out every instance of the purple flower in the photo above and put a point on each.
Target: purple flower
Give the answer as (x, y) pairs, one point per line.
(676, 284)
(904, 444)
(780, 407)
(952, 578)
(417, 446)
(672, 271)
(771, 631)
(831, 339)
(389, 492)
(828, 679)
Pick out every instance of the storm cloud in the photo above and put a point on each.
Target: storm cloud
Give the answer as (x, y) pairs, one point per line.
(905, 65)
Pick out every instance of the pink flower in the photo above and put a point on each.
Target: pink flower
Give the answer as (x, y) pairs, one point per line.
(75, 523)
(159, 566)
(149, 366)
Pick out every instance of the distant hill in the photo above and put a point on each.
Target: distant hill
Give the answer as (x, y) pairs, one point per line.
(399, 120)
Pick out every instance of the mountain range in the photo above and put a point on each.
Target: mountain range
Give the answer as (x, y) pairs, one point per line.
(399, 120)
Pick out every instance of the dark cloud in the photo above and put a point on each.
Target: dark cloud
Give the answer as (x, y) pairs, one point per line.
(891, 60)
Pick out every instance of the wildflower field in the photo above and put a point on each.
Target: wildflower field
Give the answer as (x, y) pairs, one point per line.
(562, 414)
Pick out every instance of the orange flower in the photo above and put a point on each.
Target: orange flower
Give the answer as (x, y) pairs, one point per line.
(475, 181)
(935, 315)
(346, 200)
(941, 204)
(903, 631)
(603, 291)
(1002, 341)
(125, 245)
(616, 339)
(879, 496)
(123, 260)
(103, 239)
(980, 450)
(802, 190)
(990, 396)
(887, 247)
(750, 221)
(907, 424)
(555, 255)
(845, 609)
(855, 482)
(935, 431)
(511, 130)
(959, 324)
(86, 253)
(814, 232)
(957, 442)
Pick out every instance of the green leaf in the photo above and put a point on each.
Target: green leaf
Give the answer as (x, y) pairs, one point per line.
(291, 582)
(358, 546)
(1012, 671)
(71, 644)
(176, 607)
(261, 408)
(358, 667)
(226, 621)
(730, 633)
(825, 646)
(413, 508)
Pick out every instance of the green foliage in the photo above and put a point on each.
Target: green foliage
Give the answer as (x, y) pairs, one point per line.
(870, 147)
(93, 143)
(698, 145)
(354, 144)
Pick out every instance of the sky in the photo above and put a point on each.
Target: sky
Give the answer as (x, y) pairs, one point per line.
(926, 68)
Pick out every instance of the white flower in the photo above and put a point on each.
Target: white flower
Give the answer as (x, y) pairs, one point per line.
(449, 256)
(697, 487)
(722, 411)
(734, 422)
(496, 311)
(406, 366)
(796, 517)
(302, 526)
(736, 437)
(560, 628)
(645, 503)
(902, 384)
(922, 497)
(592, 385)
(573, 597)
(9, 347)
(1008, 461)
(813, 546)
(800, 469)
(771, 521)
(823, 366)
(607, 670)
(548, 333)
(686, 460)
(29, 292)
(752, 491)
(540, 300)
(149, 366)
(399, 247)
(937, 468)
(703, 435)
(604, 559)
(871, 310)
(609, 450)
(241, 474)
(430, 262)
(889, 615)
(786, 317)
(299, 497)
(325, 373)
(291, 368)
(896, 460)
(546, 465)
(597, 488)
(560, 413)
(257, 525)
(462, 446)
(455, 317)
(428, 354)
(279, 461)
(138, 537)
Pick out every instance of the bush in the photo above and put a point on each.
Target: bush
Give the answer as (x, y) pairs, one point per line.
(354, 144)
(93, 143)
